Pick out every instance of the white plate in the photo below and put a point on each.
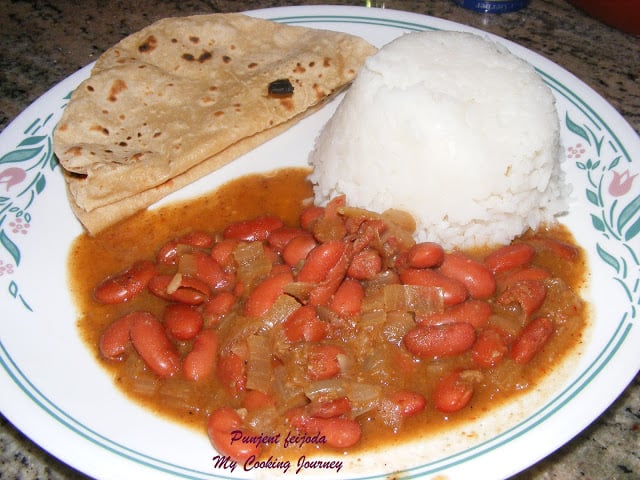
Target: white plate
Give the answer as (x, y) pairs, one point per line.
(54, 391)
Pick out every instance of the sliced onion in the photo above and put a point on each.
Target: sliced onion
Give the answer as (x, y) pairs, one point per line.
(175, 283)
(177, 395)
(299, 290)
(355, 212)
(329, 388)
(473, 376)
(327, 229)
(424, 300)
(401, 219)
(259, 369)
(373, 300)
(364, 392)
(238, 348)
(397, 326)
(288, 389)
(253, 263)
(385, 277)
(344, 362)
(283, 307)
(375, 362)
(138, 379)
(394, 298)
(364, 397)
(390, 414)
(187, 264)
(373, 319)
(263, 419)
(413, 298)
(325, 314)
(510, 325)
(235, 330)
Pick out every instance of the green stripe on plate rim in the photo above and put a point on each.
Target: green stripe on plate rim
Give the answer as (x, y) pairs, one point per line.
(553, 406)
(385, 22)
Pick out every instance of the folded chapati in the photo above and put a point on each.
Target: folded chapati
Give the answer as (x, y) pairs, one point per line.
(183, 97)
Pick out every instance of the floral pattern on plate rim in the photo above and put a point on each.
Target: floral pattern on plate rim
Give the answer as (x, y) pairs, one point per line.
(616, 204)
(24, 172)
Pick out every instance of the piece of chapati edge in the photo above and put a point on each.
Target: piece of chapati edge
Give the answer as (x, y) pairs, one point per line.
(185, 96)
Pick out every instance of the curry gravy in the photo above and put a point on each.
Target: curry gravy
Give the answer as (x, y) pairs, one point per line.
(282, 193)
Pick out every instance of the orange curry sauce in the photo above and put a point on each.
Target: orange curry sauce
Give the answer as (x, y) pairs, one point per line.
(282, 193)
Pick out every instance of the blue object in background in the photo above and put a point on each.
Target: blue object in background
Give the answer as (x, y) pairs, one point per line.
(493, 6)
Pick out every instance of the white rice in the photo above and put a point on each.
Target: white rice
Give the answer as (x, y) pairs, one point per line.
(452, 128)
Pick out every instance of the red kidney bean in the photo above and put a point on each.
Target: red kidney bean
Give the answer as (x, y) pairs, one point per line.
(320, 260)
(452, 393)
(453, 291)
(188, 289)
(210, 271)
(322, 361)
(425, 255)
(518, 275)
(339, 432)
(279, 238)
(304, 324)
(528, 294)
(232, 372)
(475, 312)
(222, 252)
(348, 298)
(219, 305)
(309, 216)
(322, 292)
(440, 340)
(490, 348)
(255, 230)
(297, 249)
(223, 427)
(368, 231)
(334, 205)
(183, 322)
(531, 340)
(115, 340)
(408, 402)
(200, 362)
(255, 400)
(197, 239)
(509, 257)
(365, 265)
(557, 247)
(474, 275)
(265, 294)
(168, 253)
(124, 286)
(150, 341)
(329, 408)
(354, 225)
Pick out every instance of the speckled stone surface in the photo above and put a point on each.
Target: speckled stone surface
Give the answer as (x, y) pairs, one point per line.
(42, 42)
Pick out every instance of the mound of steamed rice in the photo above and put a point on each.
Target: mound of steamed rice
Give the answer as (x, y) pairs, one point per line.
(452, 128)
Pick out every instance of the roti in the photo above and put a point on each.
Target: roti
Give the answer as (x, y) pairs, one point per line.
(185, 96)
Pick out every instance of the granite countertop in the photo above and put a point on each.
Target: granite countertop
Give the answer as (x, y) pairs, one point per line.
(42, 42)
